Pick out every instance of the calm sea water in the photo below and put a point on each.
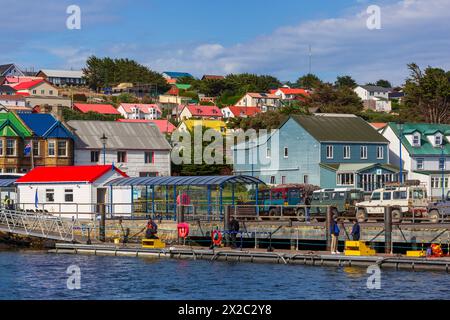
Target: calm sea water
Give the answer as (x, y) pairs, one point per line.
(38, 275)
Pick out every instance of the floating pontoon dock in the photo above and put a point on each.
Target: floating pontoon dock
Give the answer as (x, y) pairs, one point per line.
(255, 256)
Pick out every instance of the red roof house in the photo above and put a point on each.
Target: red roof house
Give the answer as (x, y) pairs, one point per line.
(63, 174)
(99, 108)
(240, 112)
(198, 111)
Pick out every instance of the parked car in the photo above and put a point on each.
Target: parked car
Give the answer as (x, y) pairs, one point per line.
(286, 199)
(404, 200)
(439, 209)
(341, 200)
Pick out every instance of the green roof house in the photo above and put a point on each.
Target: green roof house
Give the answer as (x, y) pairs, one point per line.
(425, 153)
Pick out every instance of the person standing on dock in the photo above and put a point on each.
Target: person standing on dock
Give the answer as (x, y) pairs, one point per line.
(356, 230)
(234, 229)
(335, 231)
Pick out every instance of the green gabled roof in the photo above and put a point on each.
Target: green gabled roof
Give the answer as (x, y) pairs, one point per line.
(339, 128)
(425, 130)
(12, 126)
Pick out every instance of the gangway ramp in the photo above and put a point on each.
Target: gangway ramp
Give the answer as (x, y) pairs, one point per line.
(41, 225)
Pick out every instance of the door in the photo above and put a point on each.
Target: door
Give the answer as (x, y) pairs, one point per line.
(101, 200)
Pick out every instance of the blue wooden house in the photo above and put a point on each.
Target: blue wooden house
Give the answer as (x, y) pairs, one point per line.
(326, 150)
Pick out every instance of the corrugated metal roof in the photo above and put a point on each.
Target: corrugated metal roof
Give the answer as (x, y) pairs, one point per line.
(184, 181)
(339, 128)
(7, 182)
(63, 73)
(121, 135)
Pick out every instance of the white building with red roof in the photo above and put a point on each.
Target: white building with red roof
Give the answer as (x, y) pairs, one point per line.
(287, 93)
(239, 112)
(75, 191)
(139, 111)
(200, 112)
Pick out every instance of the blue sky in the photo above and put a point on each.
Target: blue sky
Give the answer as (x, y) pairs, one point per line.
(205, 36)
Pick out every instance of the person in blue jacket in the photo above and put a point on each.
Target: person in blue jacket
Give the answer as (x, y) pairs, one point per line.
(356, 231)
(335, 231)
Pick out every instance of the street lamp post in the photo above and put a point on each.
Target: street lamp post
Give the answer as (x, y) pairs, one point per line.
(442, 171)
(104, 139)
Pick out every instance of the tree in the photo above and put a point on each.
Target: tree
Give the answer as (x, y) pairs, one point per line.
(345, 81)
(383, 83)
(107, 72)
(335, 100)
(308, 81)
(428, 93)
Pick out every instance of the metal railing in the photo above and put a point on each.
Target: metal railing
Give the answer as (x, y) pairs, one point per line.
(37, 225)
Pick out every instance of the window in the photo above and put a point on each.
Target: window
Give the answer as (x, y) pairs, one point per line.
(68, 195)
(442, 164)
(387, 195)
(400, 195)
(50, 92)
(34, 91)
(286, 152)
(363, 152)
(419, 164)
(51, 148)
(62, 148)
(1, 147)
(36, 149)
(283, 179)
(330, 152)
(346, 152)
(376, 196)
(345, 179)
(380, 153)
(50, 195)
(10, 147)
(416, 140)
(272, 180)
(121, 156)
(438, 140)
(149, 157)
(95, 156)
(305, 179)
(10, 170)
(268, 153)
(42, 92)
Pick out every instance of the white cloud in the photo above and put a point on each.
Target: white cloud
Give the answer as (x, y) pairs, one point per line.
(412, 30)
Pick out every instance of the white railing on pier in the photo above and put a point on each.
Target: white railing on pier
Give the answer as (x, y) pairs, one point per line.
(37, 225)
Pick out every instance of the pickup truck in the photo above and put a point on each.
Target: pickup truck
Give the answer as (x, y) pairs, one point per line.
(439, 209)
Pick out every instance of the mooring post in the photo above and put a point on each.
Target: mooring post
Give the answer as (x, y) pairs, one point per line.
(102, 229)
(327, 227)
(388, 230)
(226, 225)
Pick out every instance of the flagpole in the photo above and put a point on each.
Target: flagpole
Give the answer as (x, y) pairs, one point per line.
(32, 153)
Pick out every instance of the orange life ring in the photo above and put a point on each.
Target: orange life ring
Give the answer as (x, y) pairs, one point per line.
(216, 237)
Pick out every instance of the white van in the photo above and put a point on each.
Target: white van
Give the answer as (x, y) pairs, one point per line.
(404, 201)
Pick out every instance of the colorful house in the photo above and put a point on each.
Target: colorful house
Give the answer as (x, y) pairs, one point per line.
(189, 125)
(30, 140)
(239, 112)
(77, 192)
(325, 150)
(139, 111)
(425, 153)
(200, 112)
(39, 87)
